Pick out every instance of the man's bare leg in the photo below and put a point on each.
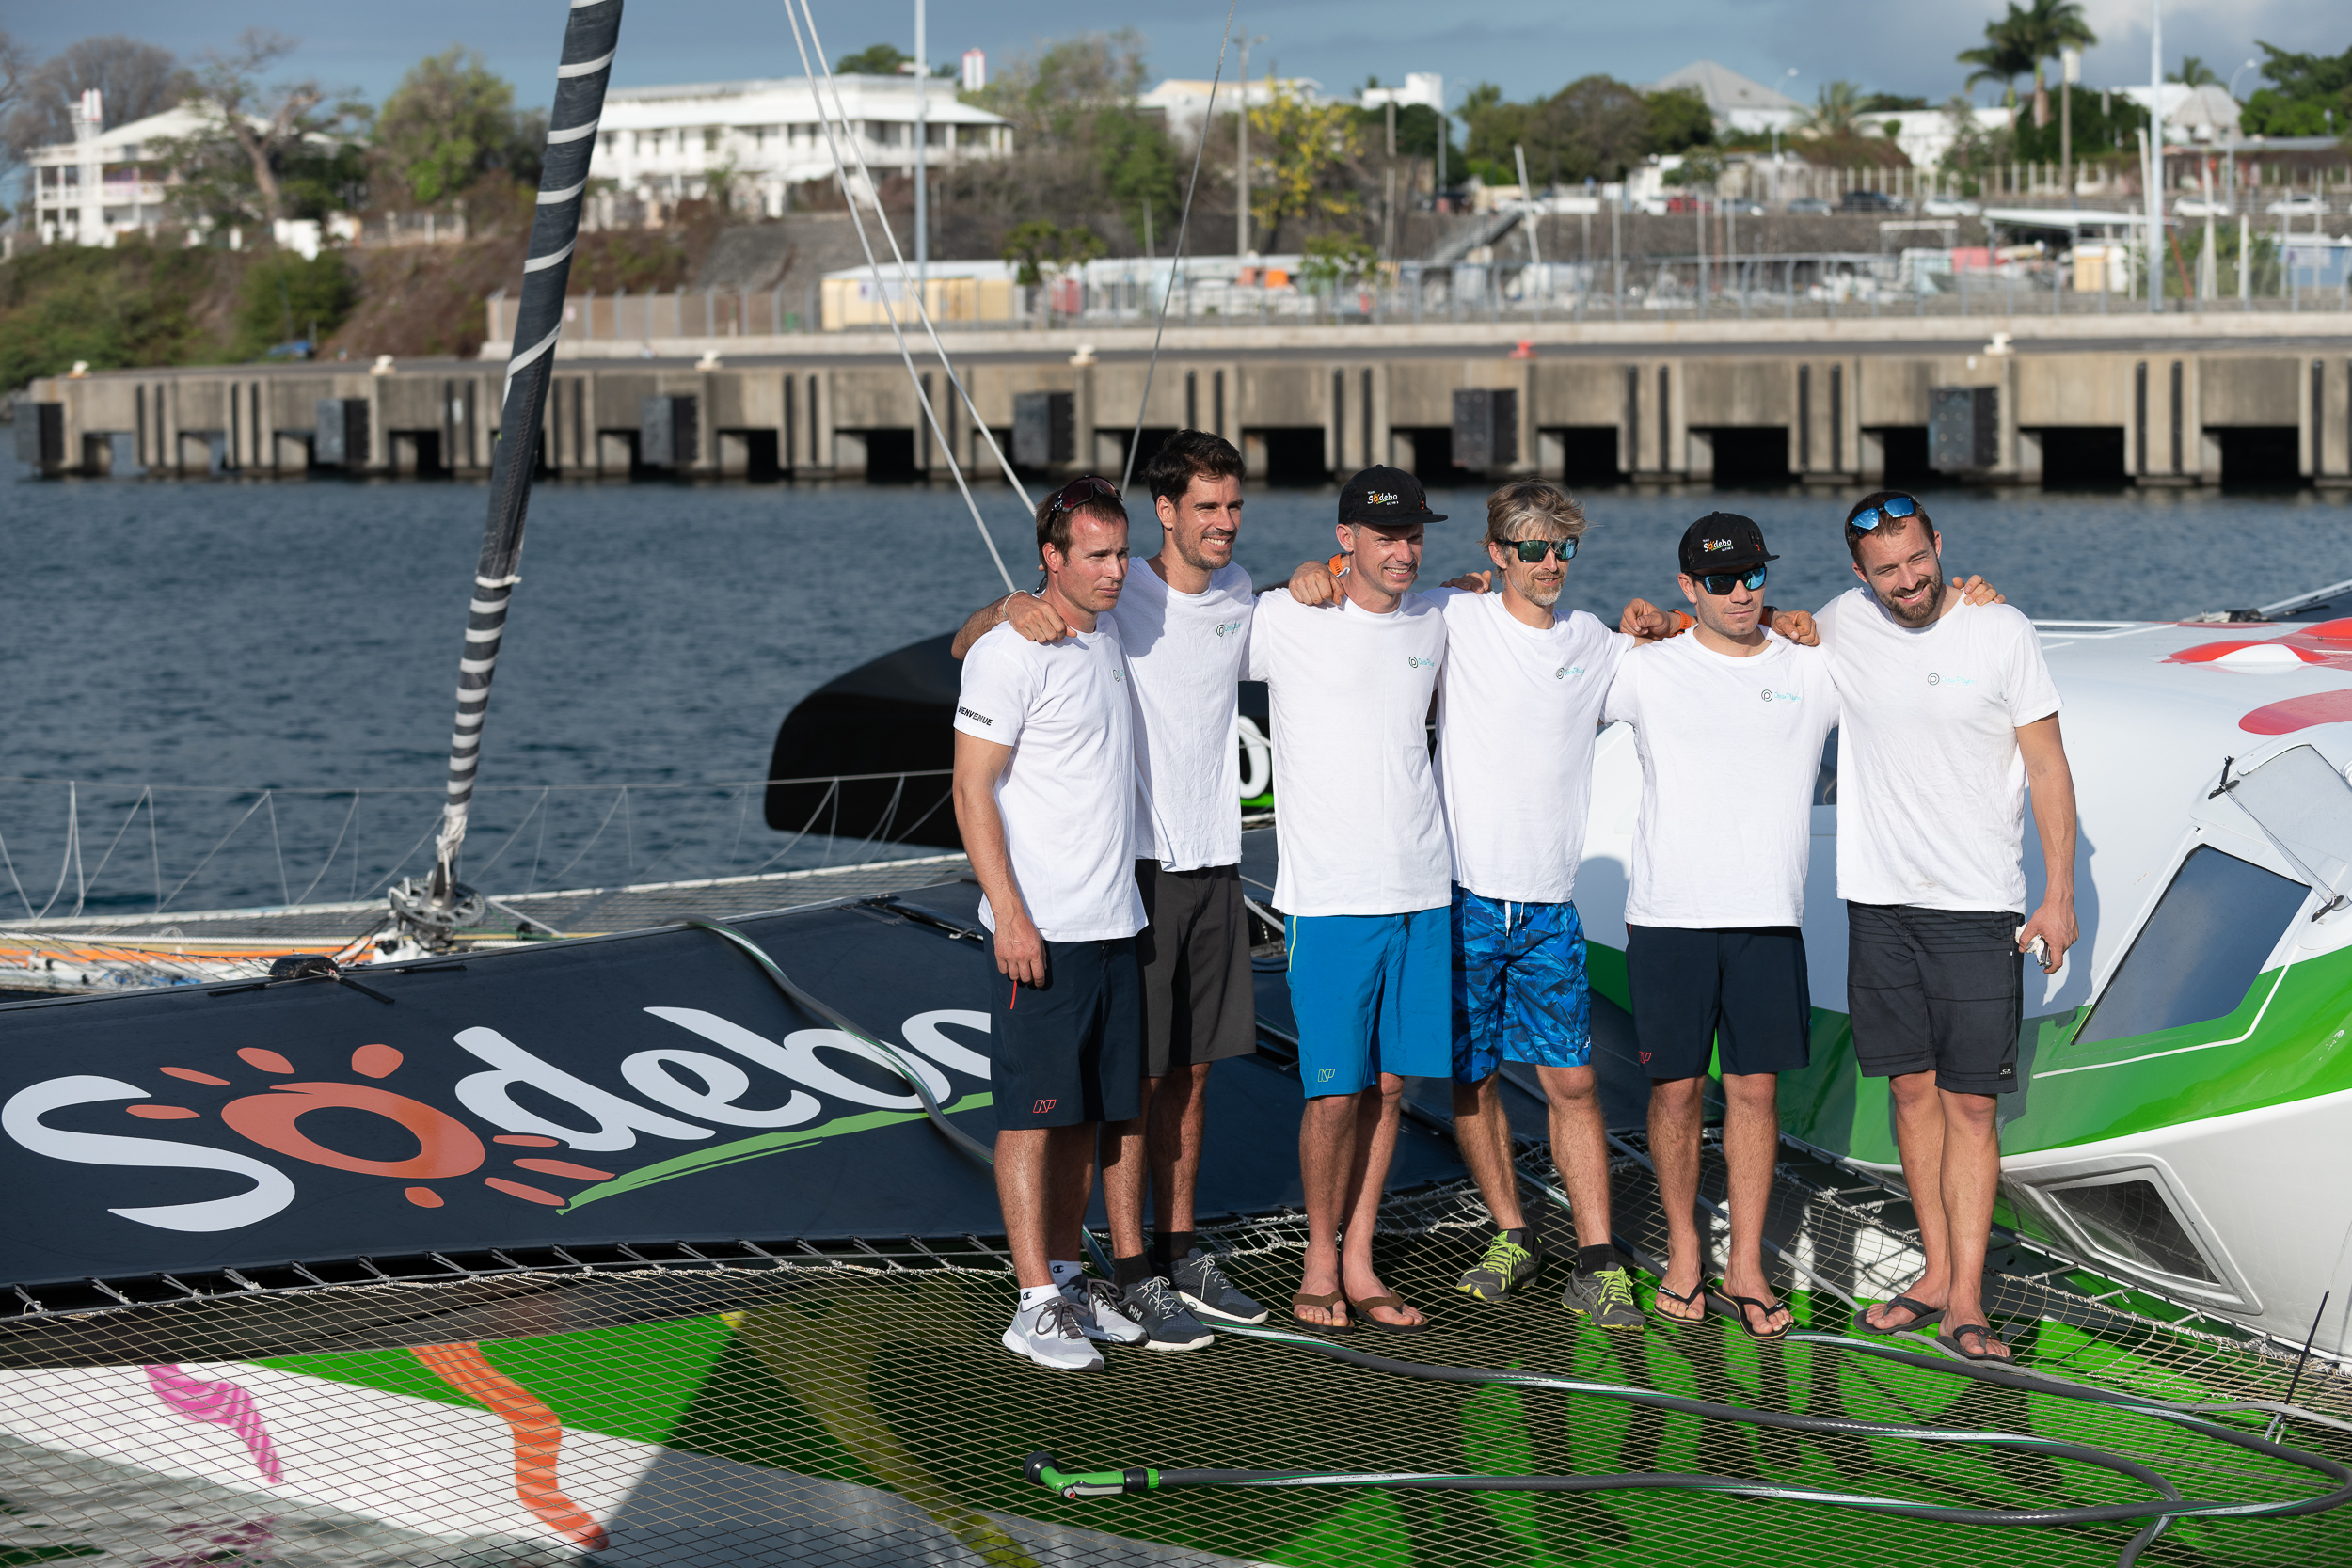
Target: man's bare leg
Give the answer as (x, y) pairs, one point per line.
(1971, 1179)
(1919, 1137)
(1580, 1146)
(1125, 1178)
(1379, 1112)
(1751, 1149)
(1022, 1183)
(1676, 1112)
(1177, 1117)
(1483, 1133)
(1326, 1159)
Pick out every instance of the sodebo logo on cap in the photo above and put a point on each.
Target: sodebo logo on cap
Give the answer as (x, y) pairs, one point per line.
(1713, 546)
(1382, 497)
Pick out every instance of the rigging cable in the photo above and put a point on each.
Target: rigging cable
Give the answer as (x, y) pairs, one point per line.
(1183, 223)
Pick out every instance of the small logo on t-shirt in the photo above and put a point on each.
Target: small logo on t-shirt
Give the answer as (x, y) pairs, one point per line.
(1934, 679)
(1225, 627)
(1415, 660)
(1566, 671)
(1770, 695)
(1118, 675)
(981, 717)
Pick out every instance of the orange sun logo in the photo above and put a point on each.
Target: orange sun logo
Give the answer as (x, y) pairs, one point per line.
(446, 1147)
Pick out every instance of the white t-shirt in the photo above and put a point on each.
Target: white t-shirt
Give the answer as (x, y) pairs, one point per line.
(1516, 712)
(1067, 795)
(1362, 833)
(1730, 751)
(1931, 785)
(1185, 654)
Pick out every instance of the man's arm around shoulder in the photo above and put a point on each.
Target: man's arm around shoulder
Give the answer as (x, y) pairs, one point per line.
(1031, 617)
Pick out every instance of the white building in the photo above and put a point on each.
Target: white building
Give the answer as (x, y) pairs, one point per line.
(1736, 103)
(1426, 88)
(1926, 135)
(1183, 101)
(2205, 114)
(105, 183)
(661, 144)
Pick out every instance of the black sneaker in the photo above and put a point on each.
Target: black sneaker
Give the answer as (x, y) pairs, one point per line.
(1202, 1285)
(1605, 1296)
(1506, 1266)
(1153, 1304)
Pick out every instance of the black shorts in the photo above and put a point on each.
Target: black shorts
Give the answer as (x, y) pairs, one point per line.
(1741, 988)
(1071, 1051)
(1198, 1002)
(1942, 990)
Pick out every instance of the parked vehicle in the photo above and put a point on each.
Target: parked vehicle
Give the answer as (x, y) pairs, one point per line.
(1873, 201)
(1808, 204)
(2200, 207)
(1949, 206)
(2298, 207)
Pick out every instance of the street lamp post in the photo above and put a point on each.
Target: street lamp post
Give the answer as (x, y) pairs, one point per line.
(2155, 157)
(922, 193)
(1241, 157)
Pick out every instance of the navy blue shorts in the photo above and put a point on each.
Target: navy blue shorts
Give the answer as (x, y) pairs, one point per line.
(1742, 990)
(1071, 1051)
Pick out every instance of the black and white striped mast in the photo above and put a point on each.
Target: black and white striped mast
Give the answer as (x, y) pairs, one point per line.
(440, 904)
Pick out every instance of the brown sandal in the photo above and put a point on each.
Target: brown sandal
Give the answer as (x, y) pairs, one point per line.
(1364, 1309)
(1336, 1298)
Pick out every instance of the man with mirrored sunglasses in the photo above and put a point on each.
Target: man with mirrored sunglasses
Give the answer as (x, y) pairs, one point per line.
(1729, 722)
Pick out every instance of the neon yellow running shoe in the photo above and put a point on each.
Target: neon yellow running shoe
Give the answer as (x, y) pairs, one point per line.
(1506, 1266)
(1605, 1296)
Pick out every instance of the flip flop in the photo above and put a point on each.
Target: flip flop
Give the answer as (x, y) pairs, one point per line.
(1697, 1294)
(1921, 1314)
(1956, 1342)
(1336, 1298)
(1363, 1315)
(1739, 1305)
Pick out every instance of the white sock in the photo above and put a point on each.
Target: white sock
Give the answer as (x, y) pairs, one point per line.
(1037, 1295)
(1064, 1273)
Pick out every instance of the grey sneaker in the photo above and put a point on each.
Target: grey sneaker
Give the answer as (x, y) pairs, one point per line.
(1605, 1296)
(1048, 1334)
(1203, 1287)
(1101, 1313)
(1506, 1266)
(1167, 1325)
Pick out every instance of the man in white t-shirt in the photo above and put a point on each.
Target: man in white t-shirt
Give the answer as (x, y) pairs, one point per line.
(1364, 877)
(1183, 623)
(1950, 715)
(1729, 721)
(1044, 798)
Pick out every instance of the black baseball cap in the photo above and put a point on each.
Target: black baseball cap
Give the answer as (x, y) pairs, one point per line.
(1722, 541)
(1386, 497)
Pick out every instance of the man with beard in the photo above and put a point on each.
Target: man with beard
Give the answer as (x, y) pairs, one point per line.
(1183, 623)
(1044, 799)
(1950, 715)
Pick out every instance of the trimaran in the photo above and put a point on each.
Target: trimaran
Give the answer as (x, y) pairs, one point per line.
(670, 1245)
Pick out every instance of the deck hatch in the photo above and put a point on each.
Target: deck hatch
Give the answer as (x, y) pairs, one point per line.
(2201, 950)
(2128, 1218)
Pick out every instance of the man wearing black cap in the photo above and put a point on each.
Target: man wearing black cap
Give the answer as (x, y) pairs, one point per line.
(1714, 948)
(1364, 877)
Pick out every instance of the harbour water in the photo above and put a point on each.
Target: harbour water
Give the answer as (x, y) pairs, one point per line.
(212, 640)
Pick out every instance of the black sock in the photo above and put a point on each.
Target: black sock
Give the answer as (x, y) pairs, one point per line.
(1593, 1260)
(1169, 1247)
(1131, 1270)
(1517, 1238)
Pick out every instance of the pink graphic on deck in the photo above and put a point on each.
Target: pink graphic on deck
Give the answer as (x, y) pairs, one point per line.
(223, 1403)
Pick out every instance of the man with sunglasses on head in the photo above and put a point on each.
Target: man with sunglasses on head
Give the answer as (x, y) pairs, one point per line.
(1044, 796)
(1950, 715)
(1729, 722)
(1183, 623)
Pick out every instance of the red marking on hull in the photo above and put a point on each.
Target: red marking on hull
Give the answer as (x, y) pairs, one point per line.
(560, 1167)
(164, 1113)
(375, 1061)
(268, 1061)
(192, 1076)
(424, 1197)
(529, 1194)
(2299, 713)
(526, 1140)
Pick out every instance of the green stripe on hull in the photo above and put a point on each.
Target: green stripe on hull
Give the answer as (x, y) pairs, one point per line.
(2079, 1094)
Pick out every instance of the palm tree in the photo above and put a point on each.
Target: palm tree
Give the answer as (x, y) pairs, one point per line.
(1836, 108)
(2007, 55)
(2047, 27)
(2195, 73)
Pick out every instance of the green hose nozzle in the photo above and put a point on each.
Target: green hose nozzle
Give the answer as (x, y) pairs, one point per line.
(1090, 1484)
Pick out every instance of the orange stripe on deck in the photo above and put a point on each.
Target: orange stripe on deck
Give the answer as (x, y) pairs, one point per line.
(537, 1436)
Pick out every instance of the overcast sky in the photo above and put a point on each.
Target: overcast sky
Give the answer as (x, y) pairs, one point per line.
(1527, 46)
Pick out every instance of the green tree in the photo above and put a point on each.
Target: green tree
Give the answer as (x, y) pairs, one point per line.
(2047, 28)
(1040, 249)
(138, 79)
(283, 296)
(2194, 72)
(1305, 146)
(1595, 128)
(1677, 119)
(1072, 108)
(1975, 152)
(1335, 262)
(2304, 88)
(2006, 54)
(1699, 170)
(1140, 166)
(1890, 103)
(1836, 112)
(450, 120)
(875, 59)
(1494, 126)
(237, 166)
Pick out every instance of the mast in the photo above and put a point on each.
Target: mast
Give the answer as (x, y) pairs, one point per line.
(440, 904)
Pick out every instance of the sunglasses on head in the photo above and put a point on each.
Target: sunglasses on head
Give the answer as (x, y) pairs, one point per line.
(1079, 492)
(1721, 583)
(1533, 550)
(1894, 509)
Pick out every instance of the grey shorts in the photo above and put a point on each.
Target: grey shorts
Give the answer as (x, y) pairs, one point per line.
(1936, 990)
(1199, 1005)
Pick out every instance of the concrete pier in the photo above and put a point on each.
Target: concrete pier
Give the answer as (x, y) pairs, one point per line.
(2155, 399)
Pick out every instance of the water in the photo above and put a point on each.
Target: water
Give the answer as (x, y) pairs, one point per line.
(223, 638)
